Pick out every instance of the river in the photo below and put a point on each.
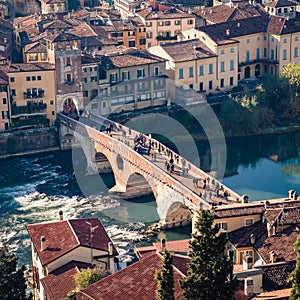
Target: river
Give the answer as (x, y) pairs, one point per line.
(34, 188)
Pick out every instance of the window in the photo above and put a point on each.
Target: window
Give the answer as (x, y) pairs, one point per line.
(248, 41)
(4, 101)
(160, 23)
(28, 78)
(231, 81)
(222, 66)
(272, 40)
(167, 23)
(69, 78)
(51, 102)
(201, 86)
(296, 52)
(68, 61)
(210, 83)
(13, 92)
(131, 44)
(126, 75)
(85, 93)
(149, 24)
(177, 22)
(258, 53)
(284, 54)
(156, 71)
(84, 69)
(191, 72)
(140, 73)
(210, 69)
(265, 52)
(33, 78)
(201, 70)
(222, 51)
(231, 65)
(95, 69)
(231, 50)
(12, 79)
(4, 115)
(247, 55)
(190, 22)
(296, 39)
(93, 78)
(222, 226)
(285, 40)
(180, 74)
(113, 77)
(249, 222)
(222, 83)
(258, 38)
(85, 79)
(272, 54)
(39, 77)
(265, 37)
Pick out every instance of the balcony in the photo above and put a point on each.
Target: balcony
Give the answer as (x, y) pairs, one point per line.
(29, 109)
(32, 122)
(39, 94)
(259, 60)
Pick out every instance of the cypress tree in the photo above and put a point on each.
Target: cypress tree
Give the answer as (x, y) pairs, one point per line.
(295, 275)
(12, 280)
(209, 269)
(165, 279)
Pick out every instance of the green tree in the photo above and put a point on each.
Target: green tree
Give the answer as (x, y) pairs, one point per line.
(209, 270)
(12, 280)
(89, 276)
(295, 275)
(165, 279)
(73, 5)
(291, 72)
(208, 3)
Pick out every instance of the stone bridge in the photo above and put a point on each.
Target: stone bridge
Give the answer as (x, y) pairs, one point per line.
(140, 171)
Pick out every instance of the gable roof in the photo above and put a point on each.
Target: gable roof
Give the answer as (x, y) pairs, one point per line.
(280, 3)
(187, 50)
(35, 47)
(72, 234)
(62, 37)
(61, 281)
(135, 282)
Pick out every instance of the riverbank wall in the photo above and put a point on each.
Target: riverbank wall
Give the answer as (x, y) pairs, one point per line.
(21, 142)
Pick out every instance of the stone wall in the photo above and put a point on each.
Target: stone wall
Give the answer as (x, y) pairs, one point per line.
(28, 140)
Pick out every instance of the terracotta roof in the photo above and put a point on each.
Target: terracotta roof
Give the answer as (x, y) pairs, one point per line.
(61, 282)
(174, 246)
(56, 24)
(35, 47)
(280, 3)
(72, 233)
(181, 263)
(236, 210)
(122, 26)
(41, 66)
(62, 37)
(275, 276)
(187, 50)
(83, 30)
(272, 214)
(282, 244)
(173, 13)
(133, 58)
(135, 282)
(275, 295)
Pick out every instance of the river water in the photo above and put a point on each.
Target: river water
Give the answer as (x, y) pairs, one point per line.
(34, 188)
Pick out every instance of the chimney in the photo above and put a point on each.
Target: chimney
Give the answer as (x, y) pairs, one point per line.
(247, 262)
(227, 32)
(163, 245)
(291, 194)
(269, 229)
(245, 199)
(252, 239)
(273, 256)
(110, 248)
(43, 243)
(61, 215)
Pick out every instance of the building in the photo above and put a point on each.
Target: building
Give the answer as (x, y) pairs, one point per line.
(33, 94)
(135, 79)
(164, 23)
(192, 64)
(4, 99)
(64, 52)
(136, 281)
(53, 6)
(61, 248)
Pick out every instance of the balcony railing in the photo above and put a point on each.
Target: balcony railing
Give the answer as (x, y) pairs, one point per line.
(259, 60)
(166, 38)
(33, 122)
(40, 94)
(29, 109)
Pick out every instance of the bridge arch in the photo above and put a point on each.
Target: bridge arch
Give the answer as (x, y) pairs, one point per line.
(103, 164)
(67, 141)
(178, 215)
(137, 184)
